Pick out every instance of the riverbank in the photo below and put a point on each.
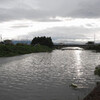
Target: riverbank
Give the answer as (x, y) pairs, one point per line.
(13, 50)
(95, 94)
(95, 47)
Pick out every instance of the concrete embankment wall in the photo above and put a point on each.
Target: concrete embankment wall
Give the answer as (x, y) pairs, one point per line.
(95, 94)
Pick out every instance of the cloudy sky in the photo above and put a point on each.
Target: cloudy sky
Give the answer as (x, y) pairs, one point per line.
(63, 20)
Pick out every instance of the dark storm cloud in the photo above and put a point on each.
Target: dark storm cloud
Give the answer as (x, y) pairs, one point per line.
(42, 10)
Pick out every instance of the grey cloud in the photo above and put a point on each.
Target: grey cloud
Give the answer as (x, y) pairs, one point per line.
(87, 9)
(42, 10)
(20, 26)
(19, 13)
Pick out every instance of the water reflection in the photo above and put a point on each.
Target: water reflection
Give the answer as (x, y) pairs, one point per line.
(78, 62)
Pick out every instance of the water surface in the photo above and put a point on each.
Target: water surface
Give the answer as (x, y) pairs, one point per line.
(47, 76)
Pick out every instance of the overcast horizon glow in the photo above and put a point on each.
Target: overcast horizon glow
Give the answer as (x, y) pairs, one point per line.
(64, 21)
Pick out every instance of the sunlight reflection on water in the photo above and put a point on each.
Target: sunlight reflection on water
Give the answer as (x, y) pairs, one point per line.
(78, 62)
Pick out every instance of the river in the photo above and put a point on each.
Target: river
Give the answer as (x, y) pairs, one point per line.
(48, 76)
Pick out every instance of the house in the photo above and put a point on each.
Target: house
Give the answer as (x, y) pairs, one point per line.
(8, 42)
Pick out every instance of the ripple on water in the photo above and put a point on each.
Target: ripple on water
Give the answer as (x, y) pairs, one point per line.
(47, 76)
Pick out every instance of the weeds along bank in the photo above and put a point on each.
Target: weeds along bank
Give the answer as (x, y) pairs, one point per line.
(12, 50)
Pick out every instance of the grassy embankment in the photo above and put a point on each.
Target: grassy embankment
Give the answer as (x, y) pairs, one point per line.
(93, 47)
(13, 50)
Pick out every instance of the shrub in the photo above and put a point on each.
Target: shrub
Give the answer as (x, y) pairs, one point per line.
(11, 50)
(97, 70)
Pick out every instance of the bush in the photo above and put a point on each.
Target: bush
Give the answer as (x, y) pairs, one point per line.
(12, 50)
(97, 70)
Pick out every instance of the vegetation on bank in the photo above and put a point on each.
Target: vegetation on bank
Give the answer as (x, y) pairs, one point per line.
(92, 46)
(97, 70)
(9, 49)
(12, 50)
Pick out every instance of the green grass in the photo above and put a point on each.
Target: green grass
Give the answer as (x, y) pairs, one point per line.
(19, 49)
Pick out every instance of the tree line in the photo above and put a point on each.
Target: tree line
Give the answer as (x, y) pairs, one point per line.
(47, 41)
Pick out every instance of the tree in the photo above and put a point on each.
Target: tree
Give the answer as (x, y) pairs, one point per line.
(90, 43)
(47, 41)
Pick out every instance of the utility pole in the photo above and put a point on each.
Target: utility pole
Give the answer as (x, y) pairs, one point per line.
(0, 37)
(94, 38)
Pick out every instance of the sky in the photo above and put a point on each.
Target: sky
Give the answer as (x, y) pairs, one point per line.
(63, 20)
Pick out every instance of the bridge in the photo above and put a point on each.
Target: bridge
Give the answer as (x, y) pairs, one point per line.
(70, 45)
(84, 46)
